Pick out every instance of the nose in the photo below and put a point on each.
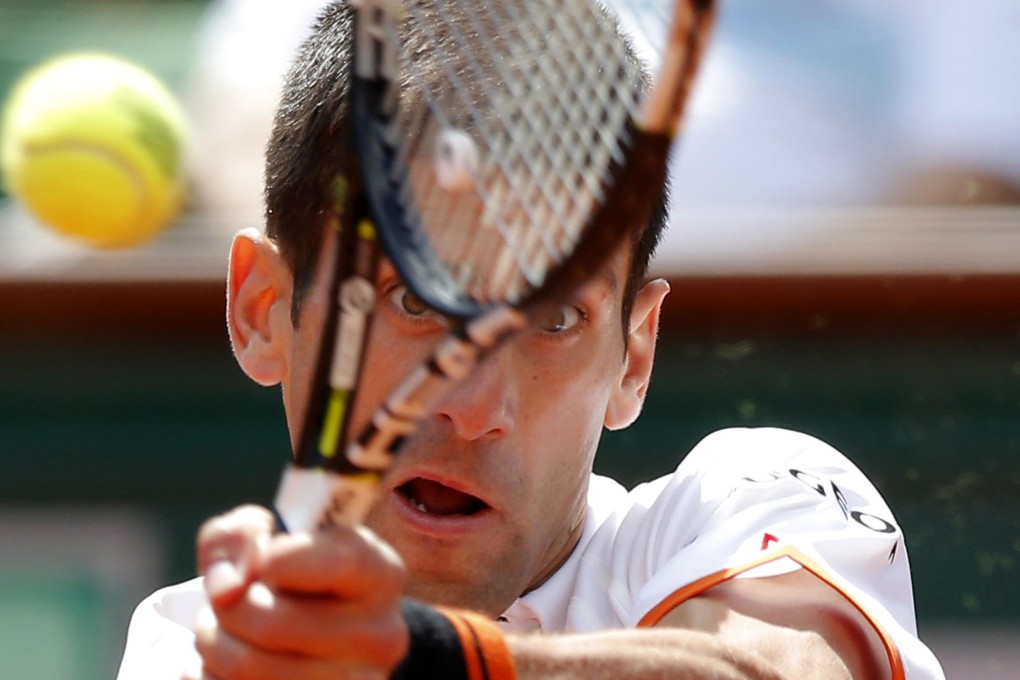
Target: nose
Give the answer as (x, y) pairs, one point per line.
(482, 407)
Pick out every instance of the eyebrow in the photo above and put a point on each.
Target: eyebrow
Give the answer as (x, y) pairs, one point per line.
(607, 276)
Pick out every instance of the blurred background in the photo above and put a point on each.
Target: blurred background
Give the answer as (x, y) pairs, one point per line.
(844, 257)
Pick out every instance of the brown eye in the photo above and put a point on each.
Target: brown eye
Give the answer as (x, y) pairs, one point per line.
(408, 303)
(560, 319)
(412, 304)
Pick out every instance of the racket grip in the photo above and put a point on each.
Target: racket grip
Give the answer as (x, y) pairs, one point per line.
(309, 498)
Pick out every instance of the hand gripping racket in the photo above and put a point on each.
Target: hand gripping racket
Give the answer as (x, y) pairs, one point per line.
(497, 177)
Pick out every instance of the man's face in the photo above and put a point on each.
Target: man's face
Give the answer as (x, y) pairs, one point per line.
(488, 497)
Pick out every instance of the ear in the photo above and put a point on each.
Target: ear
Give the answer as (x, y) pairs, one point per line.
(259, 286)
(629, 395)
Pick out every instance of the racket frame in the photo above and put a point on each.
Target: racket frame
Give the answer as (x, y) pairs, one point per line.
(341, 487)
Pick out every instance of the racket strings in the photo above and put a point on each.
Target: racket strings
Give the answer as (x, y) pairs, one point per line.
(484, 279)
(563, 138)
(442, 208)
(500, 279)
(545, 91)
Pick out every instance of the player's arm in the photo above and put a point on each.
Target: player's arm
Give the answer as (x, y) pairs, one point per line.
(794, 621)
(330, 605)
(788, 626)
(704, 638)
(647, 653)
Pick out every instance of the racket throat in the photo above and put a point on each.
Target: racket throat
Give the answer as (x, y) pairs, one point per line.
(310, 499)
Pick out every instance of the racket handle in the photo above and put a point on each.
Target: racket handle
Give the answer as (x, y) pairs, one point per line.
(310, 499)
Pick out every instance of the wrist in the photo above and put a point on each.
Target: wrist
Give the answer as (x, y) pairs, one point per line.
(453, 643)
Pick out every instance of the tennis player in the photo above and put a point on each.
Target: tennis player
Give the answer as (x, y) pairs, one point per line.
(493, 550)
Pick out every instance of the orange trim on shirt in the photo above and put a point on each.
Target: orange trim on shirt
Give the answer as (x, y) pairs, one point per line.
(678, 597)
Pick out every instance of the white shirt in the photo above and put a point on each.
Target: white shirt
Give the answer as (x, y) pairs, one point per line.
(744, 503)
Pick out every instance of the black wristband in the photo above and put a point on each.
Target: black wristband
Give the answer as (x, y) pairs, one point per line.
(454, 645)
(435, 645)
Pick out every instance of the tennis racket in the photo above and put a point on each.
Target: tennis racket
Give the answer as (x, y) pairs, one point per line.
(497, 178)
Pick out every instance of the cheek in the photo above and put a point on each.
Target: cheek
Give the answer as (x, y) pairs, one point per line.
(298, 382)
(577, 382)
(565, 407)
(305, 340)
(390, 358)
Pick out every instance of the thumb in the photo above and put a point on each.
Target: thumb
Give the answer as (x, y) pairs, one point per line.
(230, 551)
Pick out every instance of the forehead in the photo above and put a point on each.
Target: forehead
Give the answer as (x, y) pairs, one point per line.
(608, 278)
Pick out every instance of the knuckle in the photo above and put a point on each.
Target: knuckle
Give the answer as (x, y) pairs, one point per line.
(249, 519)
(264, 619)
(383, 561)
(391, 583)
(229, 534)
(210, 531)
(340, 547)
(248, 666)
(384, 641)
(238, 662)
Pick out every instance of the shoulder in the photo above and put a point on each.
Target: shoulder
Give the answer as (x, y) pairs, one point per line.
(739, 494)
(748, 449)
(743, 467)
(743, 483)
(746, 503)
(751, 460)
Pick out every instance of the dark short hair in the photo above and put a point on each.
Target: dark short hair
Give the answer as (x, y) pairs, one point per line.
(306, 150)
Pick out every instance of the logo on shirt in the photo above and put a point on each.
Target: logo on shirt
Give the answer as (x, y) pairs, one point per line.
(828, 488)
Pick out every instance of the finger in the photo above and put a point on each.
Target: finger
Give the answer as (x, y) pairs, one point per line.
(228, 658)
(350, 563)
(318, 626)
(229, 551)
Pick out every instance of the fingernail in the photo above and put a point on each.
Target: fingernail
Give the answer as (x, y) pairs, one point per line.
(221, 578)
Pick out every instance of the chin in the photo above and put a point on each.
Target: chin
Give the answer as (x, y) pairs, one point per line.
(481, 598)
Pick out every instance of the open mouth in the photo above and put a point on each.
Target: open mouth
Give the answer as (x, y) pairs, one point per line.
(433, 498)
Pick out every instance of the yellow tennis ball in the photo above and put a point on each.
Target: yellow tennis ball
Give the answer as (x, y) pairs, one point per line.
(93, 146)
